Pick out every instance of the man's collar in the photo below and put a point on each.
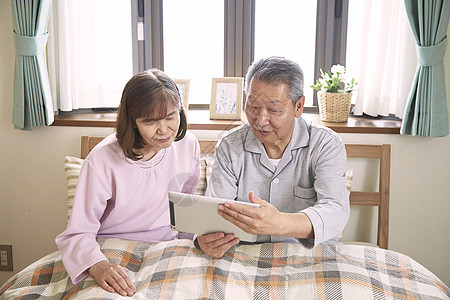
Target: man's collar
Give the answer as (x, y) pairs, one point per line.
(300, 135)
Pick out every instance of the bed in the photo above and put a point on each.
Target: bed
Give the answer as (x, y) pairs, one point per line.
(177, 270)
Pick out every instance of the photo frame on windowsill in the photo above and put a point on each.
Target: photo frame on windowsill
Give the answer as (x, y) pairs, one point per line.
(183, 88)
(226, 98)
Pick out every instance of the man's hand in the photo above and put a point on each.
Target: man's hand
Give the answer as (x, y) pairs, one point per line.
(263, 220)
(266, 219)
(216, 244)
(112, 278)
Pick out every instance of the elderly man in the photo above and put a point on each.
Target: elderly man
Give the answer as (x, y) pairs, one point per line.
(294, 169)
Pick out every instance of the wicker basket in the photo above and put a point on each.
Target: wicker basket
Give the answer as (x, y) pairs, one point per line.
(334, 107)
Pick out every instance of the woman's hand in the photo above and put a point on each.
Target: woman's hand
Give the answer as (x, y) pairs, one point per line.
(112, 278)
(216, 244)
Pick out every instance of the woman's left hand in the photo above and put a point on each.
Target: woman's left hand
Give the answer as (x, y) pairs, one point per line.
(112, 278)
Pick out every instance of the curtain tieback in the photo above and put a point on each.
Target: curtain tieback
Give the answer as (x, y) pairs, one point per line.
(432, 55)
(30, 45)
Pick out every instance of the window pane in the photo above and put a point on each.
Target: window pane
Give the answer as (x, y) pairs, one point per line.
(101, 48)
(288, 28)
(355, 32)
(194, 43)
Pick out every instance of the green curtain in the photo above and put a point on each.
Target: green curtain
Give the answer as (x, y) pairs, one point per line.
(32, 99)
(426, 110)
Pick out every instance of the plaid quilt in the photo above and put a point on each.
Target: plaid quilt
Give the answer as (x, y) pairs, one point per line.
(176, 270)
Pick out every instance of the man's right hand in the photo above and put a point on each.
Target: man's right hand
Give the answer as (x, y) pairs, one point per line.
(216, 244)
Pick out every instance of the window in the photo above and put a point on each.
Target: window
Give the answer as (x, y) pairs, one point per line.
(276, 24)
(91, 58)
(311, 33)
(381, 54)
(199, 40)
(193, 43)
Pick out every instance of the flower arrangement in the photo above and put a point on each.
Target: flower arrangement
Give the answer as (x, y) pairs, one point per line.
(333, 80)
(335, 94)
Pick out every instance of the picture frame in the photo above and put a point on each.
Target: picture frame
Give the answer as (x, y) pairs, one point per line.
(226, 98)
(183, 88)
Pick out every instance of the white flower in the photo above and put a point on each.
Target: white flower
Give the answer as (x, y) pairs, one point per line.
(335, 81)
(338, 69)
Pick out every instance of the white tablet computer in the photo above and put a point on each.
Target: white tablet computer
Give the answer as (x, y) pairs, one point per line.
(198, 214)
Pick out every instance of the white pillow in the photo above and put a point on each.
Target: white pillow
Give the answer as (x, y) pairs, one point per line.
(349, 174)
(72, 168)
(206, 162)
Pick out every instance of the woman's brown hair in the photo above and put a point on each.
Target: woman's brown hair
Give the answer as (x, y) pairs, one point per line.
(146, 95)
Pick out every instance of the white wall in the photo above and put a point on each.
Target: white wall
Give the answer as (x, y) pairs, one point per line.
(33, 185)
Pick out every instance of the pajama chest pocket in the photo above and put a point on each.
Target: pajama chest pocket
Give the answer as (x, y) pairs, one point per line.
(304, 197)
(304, 193)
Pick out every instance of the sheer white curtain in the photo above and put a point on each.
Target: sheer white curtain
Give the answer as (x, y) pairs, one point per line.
(381, 54)
(89, 52)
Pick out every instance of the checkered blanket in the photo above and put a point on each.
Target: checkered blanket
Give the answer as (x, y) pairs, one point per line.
(176, 270)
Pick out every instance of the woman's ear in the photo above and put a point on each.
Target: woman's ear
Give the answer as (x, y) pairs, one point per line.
(299, 105)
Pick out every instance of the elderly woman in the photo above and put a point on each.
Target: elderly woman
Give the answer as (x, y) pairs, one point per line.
(123, 184)
(294, 169)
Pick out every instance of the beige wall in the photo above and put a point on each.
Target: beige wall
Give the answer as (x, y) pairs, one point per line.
(33, 186)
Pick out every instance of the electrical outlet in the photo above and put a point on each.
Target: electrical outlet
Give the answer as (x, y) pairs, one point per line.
(6, 262)
(3, 258)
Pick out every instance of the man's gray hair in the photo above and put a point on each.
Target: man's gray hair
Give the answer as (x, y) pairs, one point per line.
(274, 70)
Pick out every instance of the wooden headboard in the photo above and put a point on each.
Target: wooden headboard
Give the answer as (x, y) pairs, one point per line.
(379, 199)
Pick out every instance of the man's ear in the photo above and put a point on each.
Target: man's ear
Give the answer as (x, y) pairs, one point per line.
(299, 105)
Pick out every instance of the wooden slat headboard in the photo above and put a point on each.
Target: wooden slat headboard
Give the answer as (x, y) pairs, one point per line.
(87, 144)
(379, 199)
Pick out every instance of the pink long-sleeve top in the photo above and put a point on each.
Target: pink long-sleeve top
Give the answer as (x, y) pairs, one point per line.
(117, 197)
